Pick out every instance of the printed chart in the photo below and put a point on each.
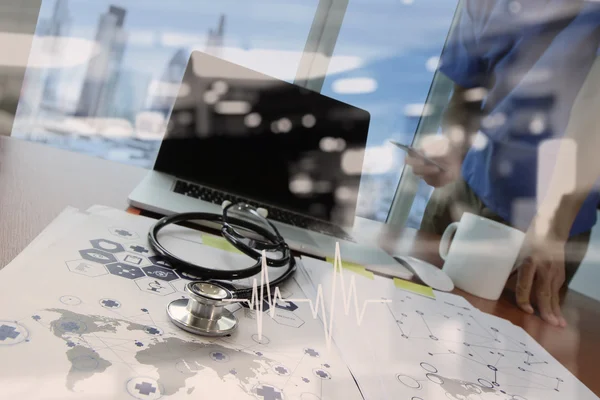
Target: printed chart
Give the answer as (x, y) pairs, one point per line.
(93, 321)
(417, 348)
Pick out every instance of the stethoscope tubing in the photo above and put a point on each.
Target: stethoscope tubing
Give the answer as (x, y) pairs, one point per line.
(211, 274)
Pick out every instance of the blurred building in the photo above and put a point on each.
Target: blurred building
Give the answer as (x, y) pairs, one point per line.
(40, 86)
(176, 67)
(16, 17)
(102, 77)
(216, 38)
(163, 91)
(130, 95)
(57, 27)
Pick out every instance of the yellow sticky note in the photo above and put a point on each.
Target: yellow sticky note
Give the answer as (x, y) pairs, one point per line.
(356, 268)
(414, 288)
(220, 243)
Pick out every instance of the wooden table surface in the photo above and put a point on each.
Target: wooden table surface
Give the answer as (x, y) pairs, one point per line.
(37, 182)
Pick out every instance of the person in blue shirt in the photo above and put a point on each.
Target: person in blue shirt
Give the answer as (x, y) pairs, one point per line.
(524, 73)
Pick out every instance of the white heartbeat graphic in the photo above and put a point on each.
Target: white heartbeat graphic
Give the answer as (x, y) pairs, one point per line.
(348, 295)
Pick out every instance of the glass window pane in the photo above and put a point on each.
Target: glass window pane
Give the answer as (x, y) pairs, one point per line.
(17, 23)
(101, 74)
(398, 44)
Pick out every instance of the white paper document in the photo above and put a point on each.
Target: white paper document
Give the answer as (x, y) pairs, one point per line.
(416, 348)
(83, 316)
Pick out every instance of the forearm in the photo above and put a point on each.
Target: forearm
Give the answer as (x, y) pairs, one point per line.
(578, 164)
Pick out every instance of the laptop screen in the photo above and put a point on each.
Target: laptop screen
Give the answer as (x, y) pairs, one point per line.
(251, 135)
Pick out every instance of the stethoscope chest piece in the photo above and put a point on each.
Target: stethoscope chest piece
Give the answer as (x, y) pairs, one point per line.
(204, 313)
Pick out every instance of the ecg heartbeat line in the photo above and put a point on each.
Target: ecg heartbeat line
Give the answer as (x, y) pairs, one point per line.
(349, 295)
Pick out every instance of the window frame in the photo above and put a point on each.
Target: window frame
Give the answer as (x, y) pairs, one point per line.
(312, 72)
(23, 16)
(437, 99)
(320, 44)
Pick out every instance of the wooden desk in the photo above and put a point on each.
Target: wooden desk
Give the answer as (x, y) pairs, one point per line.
(37, 182)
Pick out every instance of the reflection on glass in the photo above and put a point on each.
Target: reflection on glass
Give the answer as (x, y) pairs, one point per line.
(102, 76)
(400, 44)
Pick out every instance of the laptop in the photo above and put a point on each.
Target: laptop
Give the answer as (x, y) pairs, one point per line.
(236, 134)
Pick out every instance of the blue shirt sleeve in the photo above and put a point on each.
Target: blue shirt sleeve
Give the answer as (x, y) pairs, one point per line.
(460, 61)
(464, 58)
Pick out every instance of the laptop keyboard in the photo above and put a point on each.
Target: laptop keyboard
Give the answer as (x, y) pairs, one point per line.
(276, 214)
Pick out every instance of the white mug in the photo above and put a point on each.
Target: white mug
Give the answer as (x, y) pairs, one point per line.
(481, 256)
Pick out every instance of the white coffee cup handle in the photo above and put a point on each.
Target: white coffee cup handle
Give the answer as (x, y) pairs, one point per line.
(445, 241)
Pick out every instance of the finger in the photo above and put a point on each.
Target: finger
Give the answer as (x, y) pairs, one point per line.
(414, 161)
(524, 285)
(556, 311)
(544, 295)
(557, 284)
(433, 181)
(439, 158)
(426, 170)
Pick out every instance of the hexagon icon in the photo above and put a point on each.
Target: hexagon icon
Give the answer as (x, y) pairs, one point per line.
(287, 318)
(125, 270)
(107, 245)
(179, 285)
(98, 256)
(139, 249)
(87, 268)
(123, 233)
(163, 274)
(133, 259)
(154, 286)
(286, 305)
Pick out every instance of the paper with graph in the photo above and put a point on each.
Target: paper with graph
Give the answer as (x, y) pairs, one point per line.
(416, 348)
(90, 322)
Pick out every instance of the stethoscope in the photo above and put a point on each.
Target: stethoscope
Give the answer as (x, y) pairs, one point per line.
(204, 313)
